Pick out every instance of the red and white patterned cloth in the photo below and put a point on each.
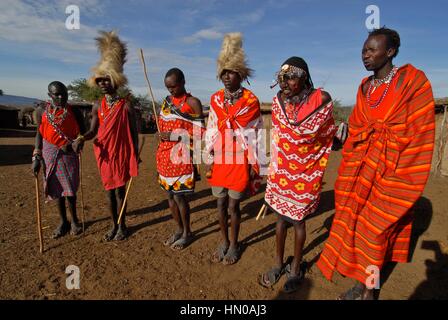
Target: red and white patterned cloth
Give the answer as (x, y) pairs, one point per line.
(175, 159)
(299, 155)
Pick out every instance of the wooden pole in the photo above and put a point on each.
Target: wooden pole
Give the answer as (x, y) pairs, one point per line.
(39, 222)
(129, 185)
(262, 211)
(142, 59)
(82, 193)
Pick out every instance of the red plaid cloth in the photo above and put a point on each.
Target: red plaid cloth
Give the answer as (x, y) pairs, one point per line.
(61, 172)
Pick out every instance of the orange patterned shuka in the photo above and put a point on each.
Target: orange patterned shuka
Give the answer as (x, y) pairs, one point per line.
(385, 166)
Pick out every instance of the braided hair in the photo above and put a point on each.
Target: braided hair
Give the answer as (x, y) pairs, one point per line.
(300, 63)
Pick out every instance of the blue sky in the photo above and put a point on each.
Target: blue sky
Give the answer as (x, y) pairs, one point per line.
(36, 48)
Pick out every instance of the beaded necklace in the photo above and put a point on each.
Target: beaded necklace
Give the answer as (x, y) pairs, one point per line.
(182, 102)
(375, 83)
(57, 120)
(231, 97)
(111, 102)
(294, 104)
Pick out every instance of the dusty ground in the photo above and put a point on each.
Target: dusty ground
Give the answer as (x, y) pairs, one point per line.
(142, 268)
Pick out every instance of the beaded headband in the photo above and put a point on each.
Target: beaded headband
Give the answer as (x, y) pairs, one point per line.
(288, 71)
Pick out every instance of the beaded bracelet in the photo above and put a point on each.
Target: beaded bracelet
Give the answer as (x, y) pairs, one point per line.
(80, 137)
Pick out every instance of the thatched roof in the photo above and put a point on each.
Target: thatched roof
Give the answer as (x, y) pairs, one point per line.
(8, 108)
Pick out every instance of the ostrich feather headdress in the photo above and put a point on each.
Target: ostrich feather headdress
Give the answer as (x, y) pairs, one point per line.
(232, 56)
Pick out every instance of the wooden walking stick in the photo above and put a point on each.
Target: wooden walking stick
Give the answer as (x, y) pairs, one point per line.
(39, 222)
(142, 59)
(82, 193)
(262, 211)
(129, 184)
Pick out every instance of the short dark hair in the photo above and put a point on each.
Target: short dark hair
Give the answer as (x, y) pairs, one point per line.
(177, 72)
(392, 36)
(57, 84)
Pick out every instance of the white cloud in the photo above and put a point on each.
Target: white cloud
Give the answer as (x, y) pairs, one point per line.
(204, 34)
(43, 24)
(221, 25)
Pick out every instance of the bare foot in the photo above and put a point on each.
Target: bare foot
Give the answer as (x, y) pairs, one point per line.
(111, 234)
(122, 234)
(61, 230)
(220, 253)
(75, 229)
(182, 243)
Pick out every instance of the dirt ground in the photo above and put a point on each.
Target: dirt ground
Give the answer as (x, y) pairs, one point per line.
(142, 268)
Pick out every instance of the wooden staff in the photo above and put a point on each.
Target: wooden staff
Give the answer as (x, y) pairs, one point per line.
(129, 184)
(262, 210)
(82, 193)
(142, 59)
(39, 222)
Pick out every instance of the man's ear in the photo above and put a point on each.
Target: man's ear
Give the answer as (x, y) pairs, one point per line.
(391, 52)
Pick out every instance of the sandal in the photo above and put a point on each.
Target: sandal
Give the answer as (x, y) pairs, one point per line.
(354, 293)
(220, 253)
(271, 277)
(293, 283)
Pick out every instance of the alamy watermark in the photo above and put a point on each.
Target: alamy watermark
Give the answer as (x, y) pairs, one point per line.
(373, 280)
(373, 20)
(73, 281)
(73, 21)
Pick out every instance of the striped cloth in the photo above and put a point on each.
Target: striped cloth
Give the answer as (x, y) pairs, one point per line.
(61, 172)
(385, 166)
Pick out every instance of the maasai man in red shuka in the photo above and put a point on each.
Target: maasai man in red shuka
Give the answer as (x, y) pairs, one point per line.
(180, 121)
(231, 143)
(59, 125)
(303, 130)
(114, 125)
(385, 166)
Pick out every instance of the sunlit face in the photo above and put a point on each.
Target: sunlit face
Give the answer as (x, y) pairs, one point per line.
(292, 86)
(58, 95)
(375, 53)
(231, 80)
(176, 88)
(105, 84)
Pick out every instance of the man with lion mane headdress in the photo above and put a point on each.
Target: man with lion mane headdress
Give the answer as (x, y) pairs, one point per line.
(114, 125)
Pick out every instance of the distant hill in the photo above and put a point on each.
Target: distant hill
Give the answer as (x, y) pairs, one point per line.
(18, 101)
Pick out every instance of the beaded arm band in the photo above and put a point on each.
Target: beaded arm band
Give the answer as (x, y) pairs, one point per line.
(36, 157)
(80, 137)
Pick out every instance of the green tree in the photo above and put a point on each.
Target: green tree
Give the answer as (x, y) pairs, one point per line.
(340, 113)
(81, 91)
(337, 103)
(1, 92)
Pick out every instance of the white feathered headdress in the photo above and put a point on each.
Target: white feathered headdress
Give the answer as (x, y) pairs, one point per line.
(232, 56)
(113, 56)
